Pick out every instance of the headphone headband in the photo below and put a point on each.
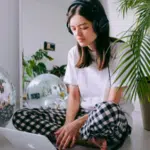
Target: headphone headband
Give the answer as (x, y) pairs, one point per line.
(84, 3)
(95, 9)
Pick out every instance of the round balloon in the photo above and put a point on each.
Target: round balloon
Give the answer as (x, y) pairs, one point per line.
(7, 98)
(46, 90)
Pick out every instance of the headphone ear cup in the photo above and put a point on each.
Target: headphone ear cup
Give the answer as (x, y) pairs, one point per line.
(100, 25)
(70, 30)
(96, 26)
(68, 27)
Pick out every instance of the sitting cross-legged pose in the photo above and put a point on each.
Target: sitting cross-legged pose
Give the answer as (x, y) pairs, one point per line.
(97, 111)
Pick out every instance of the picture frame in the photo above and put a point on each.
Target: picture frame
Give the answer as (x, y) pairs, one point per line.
(49, 46)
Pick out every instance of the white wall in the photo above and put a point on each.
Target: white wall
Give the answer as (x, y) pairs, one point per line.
(118, 24)
(46, 21)
(9, 39)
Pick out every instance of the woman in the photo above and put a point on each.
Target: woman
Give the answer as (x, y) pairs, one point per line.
(96, 109)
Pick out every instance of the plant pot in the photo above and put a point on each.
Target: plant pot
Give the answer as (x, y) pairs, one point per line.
(145, 109)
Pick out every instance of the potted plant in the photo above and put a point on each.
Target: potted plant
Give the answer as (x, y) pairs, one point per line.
(34, 66)
(137, 59)
(58, 70)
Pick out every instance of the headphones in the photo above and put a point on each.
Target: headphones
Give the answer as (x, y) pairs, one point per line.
(100, 21)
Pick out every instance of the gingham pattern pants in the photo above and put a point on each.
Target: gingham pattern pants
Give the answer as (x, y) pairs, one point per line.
(105, 121)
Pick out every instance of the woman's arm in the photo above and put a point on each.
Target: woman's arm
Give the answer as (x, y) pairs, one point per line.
(115, 94)
(73, 103)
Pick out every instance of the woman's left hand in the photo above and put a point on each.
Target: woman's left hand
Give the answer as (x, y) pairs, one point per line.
(67, 134)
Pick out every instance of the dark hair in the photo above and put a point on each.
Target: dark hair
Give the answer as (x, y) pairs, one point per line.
(93, 11)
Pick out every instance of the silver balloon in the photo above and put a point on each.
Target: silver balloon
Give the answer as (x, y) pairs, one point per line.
(46, 102)
(46, 90)
(7, 98)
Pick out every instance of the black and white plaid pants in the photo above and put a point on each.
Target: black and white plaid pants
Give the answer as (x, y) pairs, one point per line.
(105, 121)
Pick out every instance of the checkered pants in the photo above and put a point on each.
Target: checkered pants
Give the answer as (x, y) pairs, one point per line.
(105, 121)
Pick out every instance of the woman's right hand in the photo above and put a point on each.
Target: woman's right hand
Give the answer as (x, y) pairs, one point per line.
(67, 134)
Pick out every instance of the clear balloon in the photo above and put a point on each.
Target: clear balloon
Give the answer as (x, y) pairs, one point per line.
(46, 90)
(7, 98)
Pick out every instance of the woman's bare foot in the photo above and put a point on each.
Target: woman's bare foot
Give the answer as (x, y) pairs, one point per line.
(101, 143)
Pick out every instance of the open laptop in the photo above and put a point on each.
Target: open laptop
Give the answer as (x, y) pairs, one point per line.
(19, 140)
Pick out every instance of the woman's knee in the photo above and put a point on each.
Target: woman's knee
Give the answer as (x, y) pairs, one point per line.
(108, 109)
(18, 116)
(111, 115)
(107, 105)
(107, 114)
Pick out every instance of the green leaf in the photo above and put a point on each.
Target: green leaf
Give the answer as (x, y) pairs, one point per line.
(38, 55)
(29, 71)
(123, 70)
(130, 79)
(49, 57)
(63, 66)
(146, 45)
(42, 68)
(131, 83)
(144, 69)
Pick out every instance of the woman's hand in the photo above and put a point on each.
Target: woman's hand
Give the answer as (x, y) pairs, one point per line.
(67, 134)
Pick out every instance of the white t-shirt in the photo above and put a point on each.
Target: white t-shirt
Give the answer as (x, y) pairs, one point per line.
(93, 83)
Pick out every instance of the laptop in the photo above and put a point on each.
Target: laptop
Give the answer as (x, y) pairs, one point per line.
(20, 140)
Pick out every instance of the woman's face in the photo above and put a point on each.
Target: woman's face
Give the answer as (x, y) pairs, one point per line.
(83, 31)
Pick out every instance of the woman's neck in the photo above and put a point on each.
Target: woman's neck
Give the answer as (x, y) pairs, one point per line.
(92, 47)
